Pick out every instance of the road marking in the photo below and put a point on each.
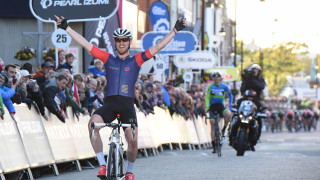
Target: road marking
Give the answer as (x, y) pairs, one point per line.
(173, 153)
(275, 140)
(204, 154)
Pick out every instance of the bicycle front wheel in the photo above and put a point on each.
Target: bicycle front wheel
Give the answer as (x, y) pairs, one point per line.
(217, 138)
(111, 166)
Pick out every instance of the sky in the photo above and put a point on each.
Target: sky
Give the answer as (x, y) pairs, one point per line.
(275, 21)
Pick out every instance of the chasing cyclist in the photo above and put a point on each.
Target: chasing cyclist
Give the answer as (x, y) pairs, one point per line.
(121, 72)
(216, 93)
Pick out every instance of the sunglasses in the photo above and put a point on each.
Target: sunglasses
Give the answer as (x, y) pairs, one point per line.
(216, 76)
(121, 39)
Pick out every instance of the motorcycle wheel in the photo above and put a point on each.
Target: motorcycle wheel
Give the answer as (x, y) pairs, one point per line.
(241, 143)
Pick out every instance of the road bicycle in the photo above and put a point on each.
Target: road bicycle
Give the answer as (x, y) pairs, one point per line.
(116, 165)
(218, 134)
(217, 131)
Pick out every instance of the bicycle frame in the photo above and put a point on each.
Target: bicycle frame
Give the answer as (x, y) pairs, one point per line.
(217, 133)
(116, 139)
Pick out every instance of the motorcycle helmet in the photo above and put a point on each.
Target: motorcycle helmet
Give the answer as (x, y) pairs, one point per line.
(250, 93)
(122, 32)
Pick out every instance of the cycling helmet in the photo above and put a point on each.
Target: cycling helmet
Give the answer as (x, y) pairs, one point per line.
(215, 74)
(122, 32)
(250, 93)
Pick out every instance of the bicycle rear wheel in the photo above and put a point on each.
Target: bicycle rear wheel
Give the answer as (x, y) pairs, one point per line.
(111, 166)
(217, 138)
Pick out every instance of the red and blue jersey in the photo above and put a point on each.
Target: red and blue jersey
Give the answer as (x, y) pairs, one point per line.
(121, 74)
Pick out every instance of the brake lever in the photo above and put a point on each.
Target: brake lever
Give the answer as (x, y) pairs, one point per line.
(92, 130)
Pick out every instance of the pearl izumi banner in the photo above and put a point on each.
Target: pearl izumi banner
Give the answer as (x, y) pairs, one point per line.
(73, 10)
(100, 33)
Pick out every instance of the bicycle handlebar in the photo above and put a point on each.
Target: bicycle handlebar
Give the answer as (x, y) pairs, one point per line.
(113, 125)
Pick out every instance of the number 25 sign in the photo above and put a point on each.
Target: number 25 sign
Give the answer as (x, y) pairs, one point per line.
(60, 38)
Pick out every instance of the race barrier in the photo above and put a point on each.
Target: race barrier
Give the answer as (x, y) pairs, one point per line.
(32, 141)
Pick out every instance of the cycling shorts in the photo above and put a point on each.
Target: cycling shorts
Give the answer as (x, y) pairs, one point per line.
(114, 105)
(216, 109)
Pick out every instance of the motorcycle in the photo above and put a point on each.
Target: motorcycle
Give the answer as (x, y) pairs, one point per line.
(245, 127)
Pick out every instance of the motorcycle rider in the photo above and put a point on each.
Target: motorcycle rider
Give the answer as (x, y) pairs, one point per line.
(250, 96)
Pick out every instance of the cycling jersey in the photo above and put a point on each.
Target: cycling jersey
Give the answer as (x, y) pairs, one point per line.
(121, 74)
(216, 94)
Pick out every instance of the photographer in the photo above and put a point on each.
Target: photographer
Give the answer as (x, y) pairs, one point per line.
(251, 79)
(29, 92)
(9, 74)
(6, 94)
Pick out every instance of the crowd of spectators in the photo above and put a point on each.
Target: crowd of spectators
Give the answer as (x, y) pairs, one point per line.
(151, 93)
(57, 88)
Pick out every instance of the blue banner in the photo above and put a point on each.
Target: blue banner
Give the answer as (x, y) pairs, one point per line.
(182, 43)
(159, 16)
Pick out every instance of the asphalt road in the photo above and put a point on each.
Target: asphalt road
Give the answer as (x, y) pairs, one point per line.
(278, 156)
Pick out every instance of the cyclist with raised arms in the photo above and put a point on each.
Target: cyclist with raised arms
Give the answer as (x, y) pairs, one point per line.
(121, 73)
(216, 93)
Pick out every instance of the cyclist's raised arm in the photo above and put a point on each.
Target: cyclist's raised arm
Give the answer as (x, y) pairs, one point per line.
(62, 23)
(208, 96)
(180, 24)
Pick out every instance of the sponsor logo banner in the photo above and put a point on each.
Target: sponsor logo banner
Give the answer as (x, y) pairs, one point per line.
(227, 73)
(73, 10)
(159, 16)
(183, 42)
(196, 60)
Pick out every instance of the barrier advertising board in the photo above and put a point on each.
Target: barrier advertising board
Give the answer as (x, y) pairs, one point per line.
(34, 137)
(80, 133)
(73, 10)
(60, 139)
(196, 60)
(12, 152)
(182, 43)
